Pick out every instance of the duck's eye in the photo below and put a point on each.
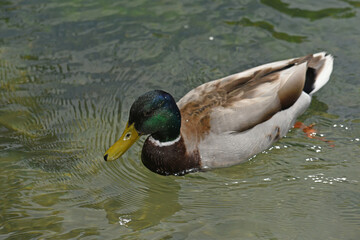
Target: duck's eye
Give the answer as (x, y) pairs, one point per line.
(127, 136)
(147, 113)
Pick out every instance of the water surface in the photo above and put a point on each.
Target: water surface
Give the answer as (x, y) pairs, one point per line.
(70, 70)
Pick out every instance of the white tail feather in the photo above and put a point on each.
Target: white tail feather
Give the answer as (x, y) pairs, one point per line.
(324, 74)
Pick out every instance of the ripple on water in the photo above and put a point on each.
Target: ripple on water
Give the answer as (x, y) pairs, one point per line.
(321, 178)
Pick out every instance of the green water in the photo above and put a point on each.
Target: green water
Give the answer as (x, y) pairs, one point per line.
(69, 71)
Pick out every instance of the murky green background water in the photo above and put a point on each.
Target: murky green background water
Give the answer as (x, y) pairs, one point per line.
(69, 71)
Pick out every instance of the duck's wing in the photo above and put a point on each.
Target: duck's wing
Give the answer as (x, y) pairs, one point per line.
(241, 101)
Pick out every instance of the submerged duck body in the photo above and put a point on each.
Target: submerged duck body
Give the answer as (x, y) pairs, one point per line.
(226, 121)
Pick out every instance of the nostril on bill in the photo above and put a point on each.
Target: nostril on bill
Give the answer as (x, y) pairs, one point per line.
(106, 157)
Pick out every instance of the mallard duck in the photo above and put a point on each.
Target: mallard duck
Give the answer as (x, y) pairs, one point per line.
(225, 121)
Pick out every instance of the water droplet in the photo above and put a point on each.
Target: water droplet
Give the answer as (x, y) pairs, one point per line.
(124, 221)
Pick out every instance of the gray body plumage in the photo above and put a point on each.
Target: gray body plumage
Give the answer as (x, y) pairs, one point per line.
(240, 146)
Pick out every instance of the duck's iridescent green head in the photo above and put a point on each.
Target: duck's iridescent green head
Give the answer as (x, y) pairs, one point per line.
(154, 113)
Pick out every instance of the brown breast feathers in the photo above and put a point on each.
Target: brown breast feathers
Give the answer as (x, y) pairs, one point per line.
(169, 160)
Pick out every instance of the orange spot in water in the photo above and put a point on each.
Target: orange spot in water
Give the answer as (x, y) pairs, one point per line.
(311, 132)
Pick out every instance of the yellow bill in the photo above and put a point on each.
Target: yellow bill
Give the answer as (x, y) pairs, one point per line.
(127, 139)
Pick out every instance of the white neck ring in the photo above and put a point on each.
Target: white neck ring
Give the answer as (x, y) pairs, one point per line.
(163, 144)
